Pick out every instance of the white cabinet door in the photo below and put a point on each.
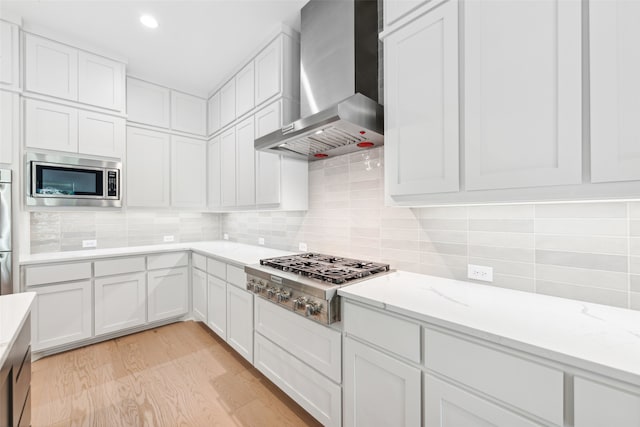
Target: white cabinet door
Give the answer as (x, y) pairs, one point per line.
(148, 103)
(9, 125)
(615, 90)
(379, 390)
(61, 314)
(101, 134)
(188, 113)
(213, 108)
(244, 90)
(51, 68)
(268, 184)
(448, 406)
(598, 405)
(228, 103)
(51, 126)
(421, 120)
(395, 9)
(148, 168)
(245, 164)
(523, 93)
(217, 306)
(9, 55)
(228, 168)
(268, 72)
(167, 293)
(214, 178)
(101, 81)
(240, 321)
(188, 172)
(120, 302)
(199, 294)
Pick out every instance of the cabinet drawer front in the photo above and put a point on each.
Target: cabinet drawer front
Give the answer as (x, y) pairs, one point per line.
(54, 273)
(199, 261)
(316, 394)
(176, 259)
(236, 276)
(594, 405)
(217, 268)
(118, 266)
(391, 333)
(323, 351)
(522, 383)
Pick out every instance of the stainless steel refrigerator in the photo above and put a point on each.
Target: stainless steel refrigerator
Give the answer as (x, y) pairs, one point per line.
(6, 282)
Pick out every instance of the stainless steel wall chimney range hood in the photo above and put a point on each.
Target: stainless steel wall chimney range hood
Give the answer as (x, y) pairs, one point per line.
(338, 83)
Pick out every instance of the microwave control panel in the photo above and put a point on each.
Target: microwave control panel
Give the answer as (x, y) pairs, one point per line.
(112, 183)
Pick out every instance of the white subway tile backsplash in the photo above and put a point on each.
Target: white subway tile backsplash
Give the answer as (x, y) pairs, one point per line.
(635, 301)
(505, 240)
(582, 260)
(502, 225)
(582, 210)
(582, 277)
(589, 244)
(583, 293)
(501, 212)
(582, 227)
(507, 254)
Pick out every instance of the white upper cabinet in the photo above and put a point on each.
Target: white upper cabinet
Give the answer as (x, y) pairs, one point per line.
(148, 103)
(101, 134)
(245, 164)
(395, 9)
(51, 126)
(101, 81)
(228, 168)
(9, 55)
(421, 120)
(9, 124)
(268, 65)
(523, 91)
(214, 177)
(188, 172)
(188, 113)
(615, 90)
(148, 168)
(267, 172)
(51, 68)
(213, 117)
(244, 90)
(228, 103)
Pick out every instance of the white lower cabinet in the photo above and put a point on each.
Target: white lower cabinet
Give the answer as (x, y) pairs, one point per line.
(120, 302)
(61, 314)
(598, 405)
(167, 293)
(199, 294)
(379, 390)
(240, 321)
(217, 306)
(446, 405)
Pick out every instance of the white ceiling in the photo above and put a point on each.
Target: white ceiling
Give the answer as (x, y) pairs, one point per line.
(197, 43)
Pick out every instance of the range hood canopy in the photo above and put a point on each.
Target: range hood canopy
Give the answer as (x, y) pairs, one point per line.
(338, 85)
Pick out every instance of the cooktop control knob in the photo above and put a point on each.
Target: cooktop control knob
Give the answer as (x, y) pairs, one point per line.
(283, 295)
(271, 292)
(300, 302)
(259, 288)
(312, 308)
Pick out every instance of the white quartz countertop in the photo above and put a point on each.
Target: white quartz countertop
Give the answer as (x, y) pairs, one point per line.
(594, 337)
(14, 310)
(231, 252)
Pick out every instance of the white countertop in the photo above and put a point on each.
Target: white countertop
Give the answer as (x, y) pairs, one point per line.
(231, 252)
(14, 310)
(594, 337)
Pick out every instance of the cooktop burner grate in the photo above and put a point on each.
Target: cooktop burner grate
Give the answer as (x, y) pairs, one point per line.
(326, 268)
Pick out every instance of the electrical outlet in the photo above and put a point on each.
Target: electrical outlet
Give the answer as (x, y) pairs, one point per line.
(169, 238)
(480, 272)
(261, 241)
(89, 243)
(302, 246)
(225, 236)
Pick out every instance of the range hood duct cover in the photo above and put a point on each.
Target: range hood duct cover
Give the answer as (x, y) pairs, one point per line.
(339, 83)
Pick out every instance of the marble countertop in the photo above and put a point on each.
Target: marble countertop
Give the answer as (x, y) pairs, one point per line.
(14, 310)
(594, 337)
(235, 253)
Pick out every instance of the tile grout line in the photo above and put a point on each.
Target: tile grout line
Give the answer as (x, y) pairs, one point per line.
(628, 255)
(535, 259)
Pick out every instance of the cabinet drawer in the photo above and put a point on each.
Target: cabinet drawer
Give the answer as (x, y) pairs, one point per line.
(53, 273)
(118, 266)
(199, 261)
(176, 259)
(391, 333)
(522, 383)
(217, 268)
(323, 352)
(594, 405)
(236, 276)
(316, 394)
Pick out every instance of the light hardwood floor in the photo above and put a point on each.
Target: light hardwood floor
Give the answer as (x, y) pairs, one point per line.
(175, 375)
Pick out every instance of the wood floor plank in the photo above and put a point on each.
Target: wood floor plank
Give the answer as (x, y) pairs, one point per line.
(177, 375)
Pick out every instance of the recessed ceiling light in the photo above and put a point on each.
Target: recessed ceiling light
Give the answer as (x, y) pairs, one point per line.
(318, 132)
(149, 21)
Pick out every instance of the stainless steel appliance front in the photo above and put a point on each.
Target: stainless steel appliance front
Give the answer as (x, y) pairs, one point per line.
(54, 180)
(6, 282)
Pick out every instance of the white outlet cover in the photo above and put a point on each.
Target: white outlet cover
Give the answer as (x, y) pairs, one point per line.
(261, 240)
(480, 272)
(225, 236)
(89, 243)
(169, 238)
(303, 247)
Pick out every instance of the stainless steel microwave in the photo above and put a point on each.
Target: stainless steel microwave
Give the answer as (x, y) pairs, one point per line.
(54, 180)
